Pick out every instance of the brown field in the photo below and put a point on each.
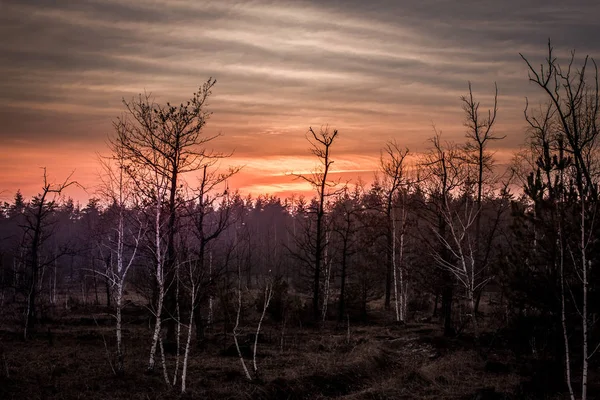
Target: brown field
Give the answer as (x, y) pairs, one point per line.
(68, 358)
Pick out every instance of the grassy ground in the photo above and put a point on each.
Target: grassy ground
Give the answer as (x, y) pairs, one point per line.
(67, 359)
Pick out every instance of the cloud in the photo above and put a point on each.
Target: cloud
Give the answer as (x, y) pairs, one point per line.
(374, 70)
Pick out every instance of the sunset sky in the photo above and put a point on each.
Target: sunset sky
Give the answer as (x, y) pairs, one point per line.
(374, 70)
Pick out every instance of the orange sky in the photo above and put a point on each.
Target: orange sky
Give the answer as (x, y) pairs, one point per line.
(375, 71)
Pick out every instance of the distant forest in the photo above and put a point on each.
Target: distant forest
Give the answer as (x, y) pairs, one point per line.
(509, 258)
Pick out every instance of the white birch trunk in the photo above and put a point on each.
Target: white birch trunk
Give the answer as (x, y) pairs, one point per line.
(188, 340)
(268, 296)
(157, 328)
(119, 305)
(237, 324)
(164, 362)
(161, 290)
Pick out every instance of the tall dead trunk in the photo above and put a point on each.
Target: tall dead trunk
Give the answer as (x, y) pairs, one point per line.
(321, 147)
(31, 317)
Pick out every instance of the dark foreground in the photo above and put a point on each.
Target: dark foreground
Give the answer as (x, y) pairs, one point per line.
(68, 359)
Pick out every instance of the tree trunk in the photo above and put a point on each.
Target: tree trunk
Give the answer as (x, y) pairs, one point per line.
(157, 328)
(342, 301)
(120, 354)
(37, 233)
(389, 261)
(268, 296)
(584, 311)
(237, 324)
(317, 275)
(188, 341)
(397, 306)
(327, 265)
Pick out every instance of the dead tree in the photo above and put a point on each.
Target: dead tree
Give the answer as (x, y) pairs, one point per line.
(211, 215)
(392, 165)
(479, 136)
(36, 231)
(168, 140)
(123, 244)
(459, 217)
(162, 144)
(441, 167)
(320, 147)
(346, 213)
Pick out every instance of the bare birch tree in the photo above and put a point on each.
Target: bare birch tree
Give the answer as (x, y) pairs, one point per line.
(162, 144)
(207, 198)
(442, 171)
(393, 167)
(168, 140)
(124, 243)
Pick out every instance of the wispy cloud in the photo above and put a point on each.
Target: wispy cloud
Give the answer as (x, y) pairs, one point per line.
(374, 70)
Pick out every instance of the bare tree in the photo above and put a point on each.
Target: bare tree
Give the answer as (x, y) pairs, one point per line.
(398, 264)
(123, 244)
(167, 140)
(206, 229)
(36, 231)
(442, 169)
(346, 213)
(460, 219)
(392, 165)
(320, 147)
(162, 143)
(479, 136)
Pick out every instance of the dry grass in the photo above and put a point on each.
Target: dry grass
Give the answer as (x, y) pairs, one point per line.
(378, 362)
